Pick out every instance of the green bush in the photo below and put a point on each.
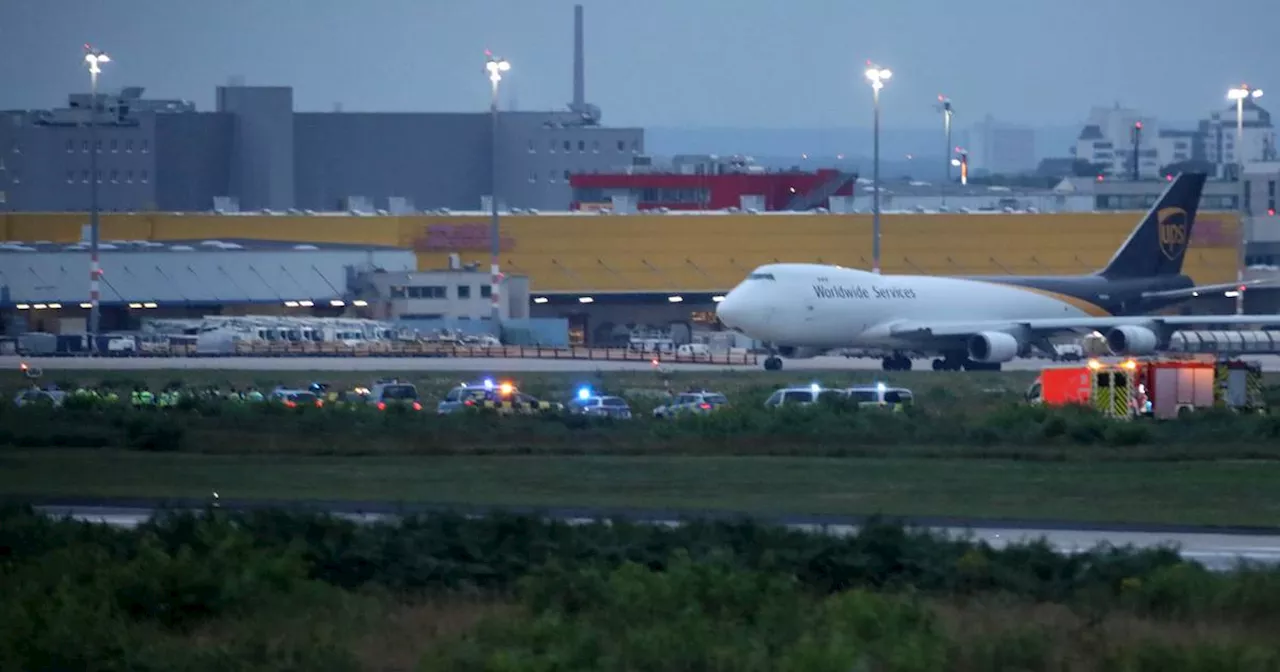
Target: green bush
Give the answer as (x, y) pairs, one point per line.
(829, 429)
(710, 615)
(275, 590)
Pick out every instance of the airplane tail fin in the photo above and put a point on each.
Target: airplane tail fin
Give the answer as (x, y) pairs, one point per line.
(1159, 243)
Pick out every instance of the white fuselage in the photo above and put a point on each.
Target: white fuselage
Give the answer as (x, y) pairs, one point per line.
(818, 306)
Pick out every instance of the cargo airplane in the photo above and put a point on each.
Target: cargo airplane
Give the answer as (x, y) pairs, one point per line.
(977, 323)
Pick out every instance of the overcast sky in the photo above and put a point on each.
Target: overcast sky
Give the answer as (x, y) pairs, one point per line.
(740, 63)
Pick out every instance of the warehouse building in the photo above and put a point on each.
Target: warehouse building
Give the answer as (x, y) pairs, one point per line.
(255, 152)
(45, 286)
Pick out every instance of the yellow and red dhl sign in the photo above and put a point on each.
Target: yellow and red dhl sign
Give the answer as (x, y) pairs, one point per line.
(1213, 232)
(460, 238)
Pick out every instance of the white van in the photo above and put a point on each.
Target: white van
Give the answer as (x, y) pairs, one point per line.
(694, 350)
(799, 396)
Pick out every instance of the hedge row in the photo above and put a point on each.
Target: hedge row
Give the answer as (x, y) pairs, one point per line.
(290, 588)
(1013, 430)
(711, 615)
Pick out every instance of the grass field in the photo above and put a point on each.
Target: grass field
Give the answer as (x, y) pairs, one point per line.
(1215, 493)
(433, 384)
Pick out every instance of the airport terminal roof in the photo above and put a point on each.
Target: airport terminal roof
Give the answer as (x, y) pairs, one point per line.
(194, 273)
(207, 245)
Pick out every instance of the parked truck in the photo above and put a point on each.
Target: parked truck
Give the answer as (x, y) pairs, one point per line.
(1161, 388)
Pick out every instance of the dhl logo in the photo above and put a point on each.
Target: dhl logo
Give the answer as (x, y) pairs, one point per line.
(1173, 231)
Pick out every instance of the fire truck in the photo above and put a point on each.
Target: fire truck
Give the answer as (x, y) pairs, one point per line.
(1160, 388)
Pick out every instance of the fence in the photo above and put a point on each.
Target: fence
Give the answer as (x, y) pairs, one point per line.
(435, 349)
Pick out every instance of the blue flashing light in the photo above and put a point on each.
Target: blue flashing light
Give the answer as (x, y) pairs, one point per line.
(880, 387)
(815, 387)
(584, 393)
(488, 383)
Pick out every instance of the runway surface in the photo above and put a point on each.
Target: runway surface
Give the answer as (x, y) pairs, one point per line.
(468, 364)
(1215, 550)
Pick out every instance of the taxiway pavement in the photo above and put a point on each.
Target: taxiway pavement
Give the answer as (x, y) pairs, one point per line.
(1215, 550)
(467, 364)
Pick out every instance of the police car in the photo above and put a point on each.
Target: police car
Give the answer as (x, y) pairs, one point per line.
(38, 397)
(801, 395)
(392, 392)
(879, 395)
(502, 397)
(296, 398)
(700, 401)
(599, 405)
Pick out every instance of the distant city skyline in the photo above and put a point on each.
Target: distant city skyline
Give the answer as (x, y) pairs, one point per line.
(661, 63)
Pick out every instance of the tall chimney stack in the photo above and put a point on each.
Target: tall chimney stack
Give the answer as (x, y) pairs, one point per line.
(579, 64)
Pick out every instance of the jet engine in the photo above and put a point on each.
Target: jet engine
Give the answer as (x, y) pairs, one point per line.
(793, 352)
(1131, 340)
(992, 347)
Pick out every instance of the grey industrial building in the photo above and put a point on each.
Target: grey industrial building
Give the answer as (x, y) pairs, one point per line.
(254, 152)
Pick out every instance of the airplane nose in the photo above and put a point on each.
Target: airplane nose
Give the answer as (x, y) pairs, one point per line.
(729, 311)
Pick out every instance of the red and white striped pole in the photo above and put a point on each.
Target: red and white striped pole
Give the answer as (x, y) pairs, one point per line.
(94, 58)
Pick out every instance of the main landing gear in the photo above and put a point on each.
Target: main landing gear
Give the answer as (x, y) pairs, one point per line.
(896, 362)
(773, 363)
(960, 362)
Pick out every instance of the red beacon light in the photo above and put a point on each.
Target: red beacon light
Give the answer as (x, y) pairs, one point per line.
(1271, 212)
(382, 405)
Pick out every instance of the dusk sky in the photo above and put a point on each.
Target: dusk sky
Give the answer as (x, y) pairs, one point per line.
(738, 63)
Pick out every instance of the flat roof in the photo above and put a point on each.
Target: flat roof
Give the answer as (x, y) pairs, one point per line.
(202, 245)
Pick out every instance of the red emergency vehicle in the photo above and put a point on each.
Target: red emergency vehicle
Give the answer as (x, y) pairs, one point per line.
(1163, 388)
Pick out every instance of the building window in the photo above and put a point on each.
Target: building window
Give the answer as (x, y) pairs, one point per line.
(84, 146)
(98, 175)
(595, 146)
(531, 149)
(582, 145)
(115, 146)
(551, 176)
(427, 292)
(622, 145)
(1248, 196)
(567, 145)
(142, 176)
(115, 177)
(464, 291)
(98, 146)
(71, 176)
(551, 145)
(84, 176)
(71, 146)
(396, 291)
(566, 176)
(144, 147)
(128, 177)
(533, 177)
(486, 291)
(17, 178)
(635, 145)
(128, 145)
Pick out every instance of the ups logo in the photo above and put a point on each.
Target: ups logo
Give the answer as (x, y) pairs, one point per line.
(1172, 224)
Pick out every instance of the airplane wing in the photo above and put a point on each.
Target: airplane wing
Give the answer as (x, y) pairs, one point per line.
(1049, 326)
(1206, 289)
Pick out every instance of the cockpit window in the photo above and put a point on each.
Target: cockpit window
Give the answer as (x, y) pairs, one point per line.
(760, 276)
